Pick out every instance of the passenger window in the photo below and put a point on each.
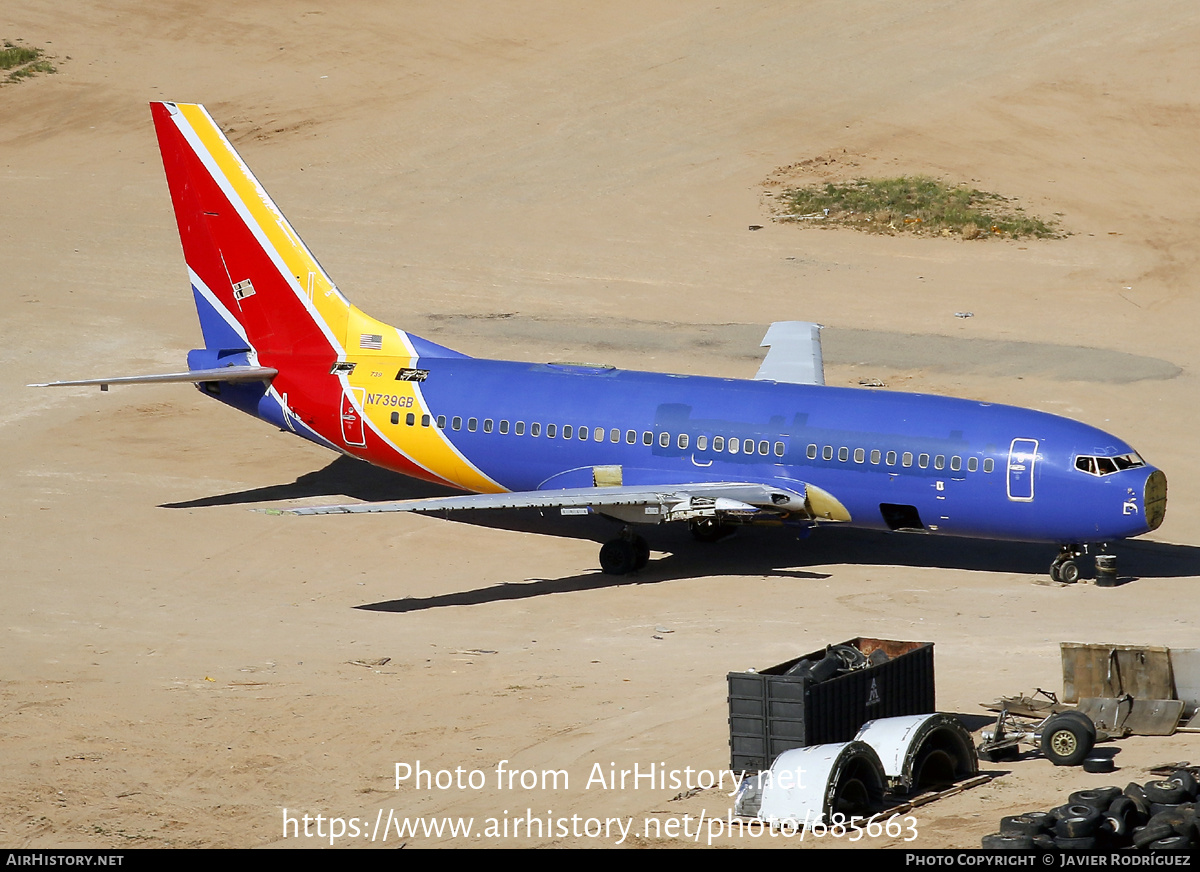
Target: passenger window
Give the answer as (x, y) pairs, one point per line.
(779, 449)
(568, 430)
(734, 444)
(583, 434)
(955, 463)
(424, 420)
(395, 417)
(827, 452)
(519, 428)
(764, 447)
(972, 464)
(939, 462)
(647, 438)
(441, 422)
(891, 458)
(923, 461)
(631, 437)
(701, 443)
(718, 443)
(551, 429)
(535, 429)
(875, 455)
(503, 427)
(456, 423)
(614, 435)
(472, 424)
(811, 452)
(410, 419)
(664, 440)
(487, 425)
(843, 454)
(906, 460)
(682, 442)
(988, 464)
(859, 455)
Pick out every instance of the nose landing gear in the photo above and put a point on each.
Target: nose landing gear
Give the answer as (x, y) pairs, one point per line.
(1065, 567)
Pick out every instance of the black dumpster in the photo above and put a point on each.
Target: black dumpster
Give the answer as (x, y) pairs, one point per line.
(771, 712)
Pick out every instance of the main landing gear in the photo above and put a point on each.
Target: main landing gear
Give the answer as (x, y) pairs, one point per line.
(625, 554)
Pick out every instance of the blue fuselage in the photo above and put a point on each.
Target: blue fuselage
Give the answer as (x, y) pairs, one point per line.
(894, 460)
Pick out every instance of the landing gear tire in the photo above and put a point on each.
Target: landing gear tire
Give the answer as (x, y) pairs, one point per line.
(709, 530)
(625, 555)
(1066, 741)
(618, 557)
(1065, 569)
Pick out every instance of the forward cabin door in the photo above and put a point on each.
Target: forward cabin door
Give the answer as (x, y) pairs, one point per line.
(1022, 457)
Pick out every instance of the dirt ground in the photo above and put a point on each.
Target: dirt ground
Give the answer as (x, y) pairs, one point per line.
(541, 181)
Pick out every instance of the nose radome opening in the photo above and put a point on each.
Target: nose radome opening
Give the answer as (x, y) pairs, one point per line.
(1155, 499)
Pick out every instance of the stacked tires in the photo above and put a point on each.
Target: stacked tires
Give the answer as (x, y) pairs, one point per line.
(1158, 815)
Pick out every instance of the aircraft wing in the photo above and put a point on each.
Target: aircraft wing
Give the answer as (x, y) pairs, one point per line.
(636, 503)
(793, 354)
(230, 374)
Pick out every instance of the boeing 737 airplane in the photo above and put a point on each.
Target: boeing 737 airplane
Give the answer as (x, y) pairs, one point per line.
(282, 343)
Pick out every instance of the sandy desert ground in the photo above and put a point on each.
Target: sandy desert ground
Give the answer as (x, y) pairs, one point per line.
(543, 181)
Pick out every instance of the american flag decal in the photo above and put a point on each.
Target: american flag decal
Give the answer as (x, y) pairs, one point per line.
(372, 341)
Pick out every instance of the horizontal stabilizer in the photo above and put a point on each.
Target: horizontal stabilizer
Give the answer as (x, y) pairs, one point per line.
(793, 355)
(227, 374)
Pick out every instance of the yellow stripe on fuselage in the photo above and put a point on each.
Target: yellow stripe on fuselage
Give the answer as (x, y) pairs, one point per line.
(428, 446)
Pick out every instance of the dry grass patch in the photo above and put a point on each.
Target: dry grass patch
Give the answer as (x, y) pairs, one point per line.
(911, 204)
(21, 61)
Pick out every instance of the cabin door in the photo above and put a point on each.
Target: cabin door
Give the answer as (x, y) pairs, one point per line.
(353, 432)
(1022, 456)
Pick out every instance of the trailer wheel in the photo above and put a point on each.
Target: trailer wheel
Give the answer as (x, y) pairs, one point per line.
(1088, 723)
(1065, 741)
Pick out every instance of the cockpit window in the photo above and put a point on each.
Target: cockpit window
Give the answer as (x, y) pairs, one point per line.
(1107, 465)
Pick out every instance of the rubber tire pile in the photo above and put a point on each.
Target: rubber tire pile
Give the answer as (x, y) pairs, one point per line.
(1158, 816)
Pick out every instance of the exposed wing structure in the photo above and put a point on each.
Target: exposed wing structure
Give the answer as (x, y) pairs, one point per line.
(637, 504)
(228, 374)
(794, 354)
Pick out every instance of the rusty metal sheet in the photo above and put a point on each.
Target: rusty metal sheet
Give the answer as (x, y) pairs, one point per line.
(1129, 716)
(1107, 713)
(1091, 670)
(1185, 668)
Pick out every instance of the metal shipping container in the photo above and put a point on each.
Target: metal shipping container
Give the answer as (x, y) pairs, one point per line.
(771, 712)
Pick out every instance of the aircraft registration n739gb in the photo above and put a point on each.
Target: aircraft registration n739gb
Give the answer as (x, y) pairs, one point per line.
(282, 343)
